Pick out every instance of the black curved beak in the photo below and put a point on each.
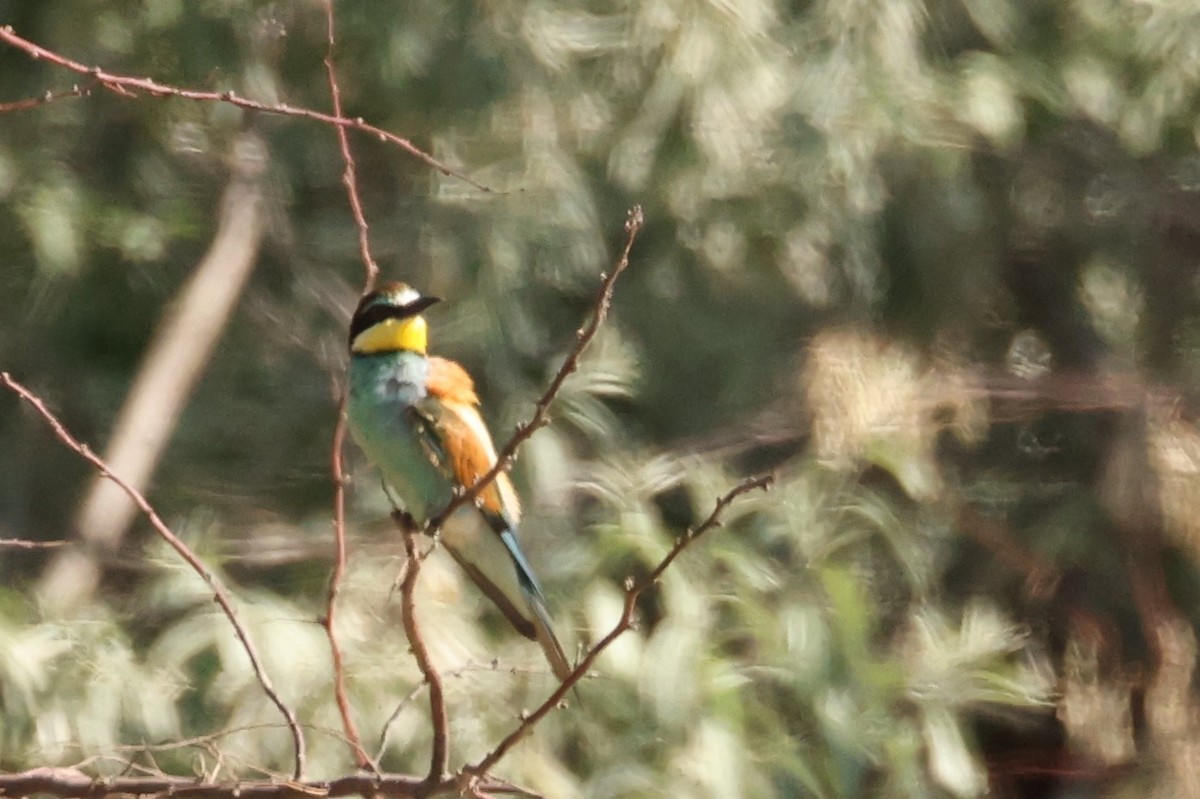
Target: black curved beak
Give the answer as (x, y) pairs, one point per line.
(420, 304)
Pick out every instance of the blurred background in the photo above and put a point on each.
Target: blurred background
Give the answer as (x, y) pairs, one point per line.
(934, 264)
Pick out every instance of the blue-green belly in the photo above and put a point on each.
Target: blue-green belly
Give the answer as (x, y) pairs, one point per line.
(383, 390)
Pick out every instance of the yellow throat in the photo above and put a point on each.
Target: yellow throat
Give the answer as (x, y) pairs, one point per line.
(391, 335)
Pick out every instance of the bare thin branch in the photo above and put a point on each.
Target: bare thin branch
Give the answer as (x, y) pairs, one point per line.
(337, 468)
(416, 691)
(219, 592)
(128, 86)
(350, 180)
(583, 337)
(350, 173)
(440, 751)
(24, 543)
(469, 774)
(46, 99)
(69, 783)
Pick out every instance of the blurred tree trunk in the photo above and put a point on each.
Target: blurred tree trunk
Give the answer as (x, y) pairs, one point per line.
(172, 366)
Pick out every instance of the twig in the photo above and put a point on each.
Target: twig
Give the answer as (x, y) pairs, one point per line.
(350, 174)
(470, 774)
(440, 751)
(127, 86)
(349, 178)
(219, 593)
(208, 740)
(337, 468)
(583, 337)
(46, 99)
(24, 543)
(387, 725)
(69, 783)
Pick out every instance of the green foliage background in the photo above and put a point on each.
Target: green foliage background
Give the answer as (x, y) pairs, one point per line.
(942, 177)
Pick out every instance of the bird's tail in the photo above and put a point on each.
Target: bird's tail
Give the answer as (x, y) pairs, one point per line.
(510, 585)
(536, 600)
(553, 650)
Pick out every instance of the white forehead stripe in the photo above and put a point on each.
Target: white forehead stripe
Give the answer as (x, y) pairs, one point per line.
(405, 295)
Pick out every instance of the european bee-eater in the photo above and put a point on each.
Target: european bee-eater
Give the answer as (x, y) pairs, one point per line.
(417, 418)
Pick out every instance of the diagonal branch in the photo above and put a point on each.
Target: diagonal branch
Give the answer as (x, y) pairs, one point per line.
(469, 774)
(128, 86)
(583, 337)
(219, 593)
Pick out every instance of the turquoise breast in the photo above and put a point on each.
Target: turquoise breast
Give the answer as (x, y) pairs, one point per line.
(384, 388)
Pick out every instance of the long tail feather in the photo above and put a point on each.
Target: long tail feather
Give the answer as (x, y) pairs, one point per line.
(547, 639)
(537, 603)
(498, 567)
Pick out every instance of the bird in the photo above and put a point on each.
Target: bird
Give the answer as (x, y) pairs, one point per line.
(417, 418)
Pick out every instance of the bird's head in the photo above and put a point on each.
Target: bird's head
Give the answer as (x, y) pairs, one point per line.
(389, 319)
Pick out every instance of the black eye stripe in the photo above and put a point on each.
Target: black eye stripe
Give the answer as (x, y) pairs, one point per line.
(372, 316)
(371, 312)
